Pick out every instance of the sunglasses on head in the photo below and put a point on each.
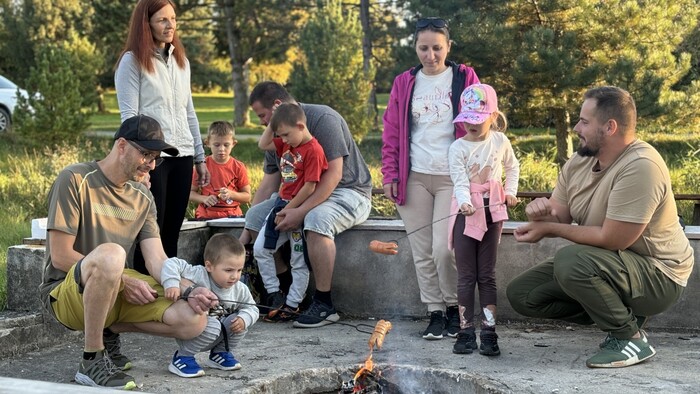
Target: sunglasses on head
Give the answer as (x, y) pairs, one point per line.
(437, 23)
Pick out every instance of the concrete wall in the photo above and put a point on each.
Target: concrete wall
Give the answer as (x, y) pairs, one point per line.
(367, 284)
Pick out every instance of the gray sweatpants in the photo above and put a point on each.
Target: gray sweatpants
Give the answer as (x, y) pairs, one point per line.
(584, 284)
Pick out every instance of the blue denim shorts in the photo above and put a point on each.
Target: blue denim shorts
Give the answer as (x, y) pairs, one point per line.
(343, 209)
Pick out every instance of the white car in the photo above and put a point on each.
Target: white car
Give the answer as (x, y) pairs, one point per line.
(8, 100)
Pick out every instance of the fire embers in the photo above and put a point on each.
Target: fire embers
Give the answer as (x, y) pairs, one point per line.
(369, 382)
(366, 380)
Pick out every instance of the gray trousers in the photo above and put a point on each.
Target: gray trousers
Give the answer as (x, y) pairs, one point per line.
(585, 285)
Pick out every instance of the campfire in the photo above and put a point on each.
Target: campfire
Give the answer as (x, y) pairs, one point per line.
(367, 380)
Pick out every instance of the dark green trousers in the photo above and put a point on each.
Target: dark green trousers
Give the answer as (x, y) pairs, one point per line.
(585, 285)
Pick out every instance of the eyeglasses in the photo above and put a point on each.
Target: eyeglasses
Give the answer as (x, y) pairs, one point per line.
(437, 23)
(148, 157)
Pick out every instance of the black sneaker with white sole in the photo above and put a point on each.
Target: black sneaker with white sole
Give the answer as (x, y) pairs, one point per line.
(435, 327)
(452, 321)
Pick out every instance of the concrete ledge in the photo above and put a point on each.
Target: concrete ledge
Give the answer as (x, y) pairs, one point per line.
(21, 332)
(366, 284)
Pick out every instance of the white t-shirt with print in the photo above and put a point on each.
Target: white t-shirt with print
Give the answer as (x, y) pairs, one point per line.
(432, 131)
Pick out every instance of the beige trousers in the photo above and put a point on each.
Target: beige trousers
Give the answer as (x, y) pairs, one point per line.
(428, 199)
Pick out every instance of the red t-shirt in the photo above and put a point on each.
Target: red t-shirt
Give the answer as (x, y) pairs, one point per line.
(233, 176)
(299, 165)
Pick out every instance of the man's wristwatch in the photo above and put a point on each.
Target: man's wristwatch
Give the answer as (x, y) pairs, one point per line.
(186, 294)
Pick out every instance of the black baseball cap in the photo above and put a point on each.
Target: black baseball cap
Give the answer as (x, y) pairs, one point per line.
(145, 132)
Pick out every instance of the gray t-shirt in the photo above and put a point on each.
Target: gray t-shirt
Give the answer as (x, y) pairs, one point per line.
(332, 132)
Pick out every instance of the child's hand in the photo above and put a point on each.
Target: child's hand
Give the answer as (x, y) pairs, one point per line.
(238, 326)
(224, 193)
(511, 201)
(467, 209)
(279, 216)
(210, 201)
(172, 293)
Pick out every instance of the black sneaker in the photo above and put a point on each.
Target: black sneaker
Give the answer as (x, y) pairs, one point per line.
(318, 314)
(436, 326)
(489, 343)
(274, 301)
(113, 348)
(101, 372)
(452, 322)
(466, 342)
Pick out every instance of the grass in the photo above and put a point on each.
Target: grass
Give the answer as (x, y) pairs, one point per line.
(209, 107)
(26, 174)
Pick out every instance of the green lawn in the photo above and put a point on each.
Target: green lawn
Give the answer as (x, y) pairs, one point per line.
(210, 107)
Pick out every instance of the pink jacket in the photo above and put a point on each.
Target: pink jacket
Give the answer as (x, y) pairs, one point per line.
(397, 123)
(475, 225)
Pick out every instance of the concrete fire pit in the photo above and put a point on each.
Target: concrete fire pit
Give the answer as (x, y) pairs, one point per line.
(407, 378)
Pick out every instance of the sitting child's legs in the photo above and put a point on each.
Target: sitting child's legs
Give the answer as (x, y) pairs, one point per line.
(300, 271)
(266, 261)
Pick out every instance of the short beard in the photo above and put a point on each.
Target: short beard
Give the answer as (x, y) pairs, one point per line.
(586, 151)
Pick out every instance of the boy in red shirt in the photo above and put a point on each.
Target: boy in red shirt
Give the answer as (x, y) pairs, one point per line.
(302, 161)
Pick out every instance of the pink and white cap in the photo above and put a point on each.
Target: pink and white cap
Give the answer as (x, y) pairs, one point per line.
(477, 103)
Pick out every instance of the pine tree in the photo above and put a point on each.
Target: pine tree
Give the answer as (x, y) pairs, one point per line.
(331, 71)
(540, 56)
(52, 112)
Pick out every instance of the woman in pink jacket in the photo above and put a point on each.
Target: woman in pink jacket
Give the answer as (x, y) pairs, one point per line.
(418, 132)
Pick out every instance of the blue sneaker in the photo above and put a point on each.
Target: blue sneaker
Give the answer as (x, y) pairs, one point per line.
(223, 360)
(318, 314)
(185, 366)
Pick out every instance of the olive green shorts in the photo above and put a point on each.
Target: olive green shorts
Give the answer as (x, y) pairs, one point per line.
(67, 302)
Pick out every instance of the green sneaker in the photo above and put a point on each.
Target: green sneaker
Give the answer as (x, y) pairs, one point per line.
(113, 348)
(617, 353)
(101, 372)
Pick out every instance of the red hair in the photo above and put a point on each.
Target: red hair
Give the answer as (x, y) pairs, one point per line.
(140, 40)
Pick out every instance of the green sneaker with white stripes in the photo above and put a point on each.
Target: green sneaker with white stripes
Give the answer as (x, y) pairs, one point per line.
(618, 353)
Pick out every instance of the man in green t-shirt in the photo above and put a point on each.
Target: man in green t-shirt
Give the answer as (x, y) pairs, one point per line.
(630, 258)
(97, 212)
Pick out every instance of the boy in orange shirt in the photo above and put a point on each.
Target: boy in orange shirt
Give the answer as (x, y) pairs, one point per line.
(229, 186)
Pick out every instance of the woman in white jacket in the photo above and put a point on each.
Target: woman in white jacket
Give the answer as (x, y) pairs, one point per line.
(153, 78)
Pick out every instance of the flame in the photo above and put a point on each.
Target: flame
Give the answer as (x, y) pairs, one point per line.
(376, 340)
(369, 365)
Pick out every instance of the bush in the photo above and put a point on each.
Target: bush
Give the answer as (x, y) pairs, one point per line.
(54, 111)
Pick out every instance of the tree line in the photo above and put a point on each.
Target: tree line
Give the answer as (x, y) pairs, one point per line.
(540, 55)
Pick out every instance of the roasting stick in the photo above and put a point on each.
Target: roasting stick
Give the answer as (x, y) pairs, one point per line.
(392, 247)
(358, 326)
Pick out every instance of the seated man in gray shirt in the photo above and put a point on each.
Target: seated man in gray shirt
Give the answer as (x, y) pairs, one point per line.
(342, 198)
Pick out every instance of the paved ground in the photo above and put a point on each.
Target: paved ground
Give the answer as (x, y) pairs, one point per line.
(535, 359)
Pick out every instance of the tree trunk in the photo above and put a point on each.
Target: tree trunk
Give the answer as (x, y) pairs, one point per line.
(373, 110)
(564, 143)
(239, 70)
